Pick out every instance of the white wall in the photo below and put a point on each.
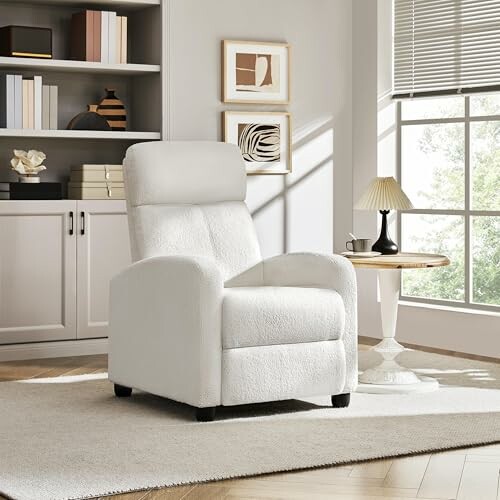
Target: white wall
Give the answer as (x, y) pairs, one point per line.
(292, 212)
(340, 49)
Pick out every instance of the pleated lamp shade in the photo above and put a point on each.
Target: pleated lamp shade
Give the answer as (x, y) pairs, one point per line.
(384, 193)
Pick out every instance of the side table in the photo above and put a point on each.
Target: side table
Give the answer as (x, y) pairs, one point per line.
(389, 376)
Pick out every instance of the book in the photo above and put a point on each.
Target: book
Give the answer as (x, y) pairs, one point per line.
(118, 39)
(104, 37)
(112, 52)
(54, 108)
(97, 36)
(123, 44)
(7, 101)
(46, 107)
(82, 36)
(3, 101)
(18, 106)
(31, 104)
(37, 102)
(25, 104)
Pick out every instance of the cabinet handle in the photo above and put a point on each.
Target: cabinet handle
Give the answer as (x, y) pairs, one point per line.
(71, 224)
(82, 220)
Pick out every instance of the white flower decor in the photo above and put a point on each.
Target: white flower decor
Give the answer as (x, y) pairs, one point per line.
(28, 163)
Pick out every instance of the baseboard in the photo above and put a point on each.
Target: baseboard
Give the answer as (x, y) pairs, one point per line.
(57, 349)
(371, 341)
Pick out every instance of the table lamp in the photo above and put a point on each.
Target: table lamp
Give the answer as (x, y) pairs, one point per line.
(384, 194)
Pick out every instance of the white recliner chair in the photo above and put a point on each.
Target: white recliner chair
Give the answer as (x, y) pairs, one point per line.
(199, 317)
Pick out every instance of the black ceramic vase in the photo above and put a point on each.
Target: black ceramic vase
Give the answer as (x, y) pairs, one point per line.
(384, 244)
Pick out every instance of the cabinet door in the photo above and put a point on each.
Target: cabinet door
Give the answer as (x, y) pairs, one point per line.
(37, 271)
(103, 250)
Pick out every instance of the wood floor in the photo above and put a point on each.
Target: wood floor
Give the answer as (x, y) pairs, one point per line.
(466, 474)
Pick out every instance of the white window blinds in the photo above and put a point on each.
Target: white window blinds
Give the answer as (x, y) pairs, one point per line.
(446, 46)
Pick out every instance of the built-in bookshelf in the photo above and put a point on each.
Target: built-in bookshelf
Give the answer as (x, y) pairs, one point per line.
(139, 83)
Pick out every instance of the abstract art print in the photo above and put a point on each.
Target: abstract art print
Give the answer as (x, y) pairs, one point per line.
(263, 138)
(255, 72)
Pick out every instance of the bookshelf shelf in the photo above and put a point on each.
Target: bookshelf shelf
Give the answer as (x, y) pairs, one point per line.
(80, 134)
(119, 4)
(20, 63)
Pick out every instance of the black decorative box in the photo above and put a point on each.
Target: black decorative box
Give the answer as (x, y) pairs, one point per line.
(40, 191)
(26, 41)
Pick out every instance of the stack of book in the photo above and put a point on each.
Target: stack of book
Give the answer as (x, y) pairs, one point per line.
(99, 36)
(96, 182)
(27, 103)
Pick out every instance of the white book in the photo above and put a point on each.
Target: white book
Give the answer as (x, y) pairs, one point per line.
(46, 107)
(37, 102)
(53, 107)
(26, 107)
(31, 104)
(112, 54)
(18, 106)
(11, 101)
(104, 37)
(119, 39)
(123, 45)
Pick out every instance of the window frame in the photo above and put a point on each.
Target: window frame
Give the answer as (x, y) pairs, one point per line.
(466, 212)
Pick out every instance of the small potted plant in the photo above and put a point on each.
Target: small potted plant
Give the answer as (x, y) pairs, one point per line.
(28, 165)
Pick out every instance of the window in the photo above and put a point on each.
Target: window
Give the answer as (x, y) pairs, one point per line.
(449, 165)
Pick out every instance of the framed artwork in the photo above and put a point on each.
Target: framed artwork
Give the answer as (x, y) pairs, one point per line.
(255, 72)
(264, 139)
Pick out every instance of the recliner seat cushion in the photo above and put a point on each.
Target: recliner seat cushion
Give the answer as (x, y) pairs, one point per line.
(263, 316)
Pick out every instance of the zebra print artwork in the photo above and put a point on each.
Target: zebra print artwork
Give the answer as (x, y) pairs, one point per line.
(259, 142)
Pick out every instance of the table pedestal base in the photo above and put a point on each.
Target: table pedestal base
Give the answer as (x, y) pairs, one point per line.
(389, 376)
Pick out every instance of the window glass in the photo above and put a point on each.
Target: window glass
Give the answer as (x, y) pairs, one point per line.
(485, 105)
(485, 165)
(432, 165)
(439, 107)
(485, 249)
(440, 234)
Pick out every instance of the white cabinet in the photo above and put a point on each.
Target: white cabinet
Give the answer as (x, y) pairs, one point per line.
(56, 260)
(37, 271)
(102, 251)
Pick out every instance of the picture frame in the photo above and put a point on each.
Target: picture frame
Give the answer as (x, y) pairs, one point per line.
(255, 72)
(264, 138)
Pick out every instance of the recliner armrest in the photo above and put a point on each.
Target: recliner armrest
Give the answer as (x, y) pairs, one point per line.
(165, 324)
(322, 271)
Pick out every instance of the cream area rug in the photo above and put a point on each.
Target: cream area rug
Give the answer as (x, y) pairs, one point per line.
(69, 437)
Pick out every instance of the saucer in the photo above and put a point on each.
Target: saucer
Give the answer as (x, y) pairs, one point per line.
(361, 254)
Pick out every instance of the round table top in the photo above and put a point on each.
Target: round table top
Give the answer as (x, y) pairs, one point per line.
(401, 260)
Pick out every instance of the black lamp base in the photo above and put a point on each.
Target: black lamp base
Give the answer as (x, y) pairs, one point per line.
(384, 244)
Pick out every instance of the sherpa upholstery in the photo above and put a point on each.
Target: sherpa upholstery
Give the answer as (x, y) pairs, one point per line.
(200, 317)
(268, 315)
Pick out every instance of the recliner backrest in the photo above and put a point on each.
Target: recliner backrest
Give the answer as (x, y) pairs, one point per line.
(187, 198)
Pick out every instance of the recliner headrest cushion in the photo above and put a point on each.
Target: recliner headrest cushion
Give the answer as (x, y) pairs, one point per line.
(185, 172)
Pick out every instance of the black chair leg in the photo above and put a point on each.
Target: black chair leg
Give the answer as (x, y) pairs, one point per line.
(122, 392)
(341, 400)
(205, 414)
